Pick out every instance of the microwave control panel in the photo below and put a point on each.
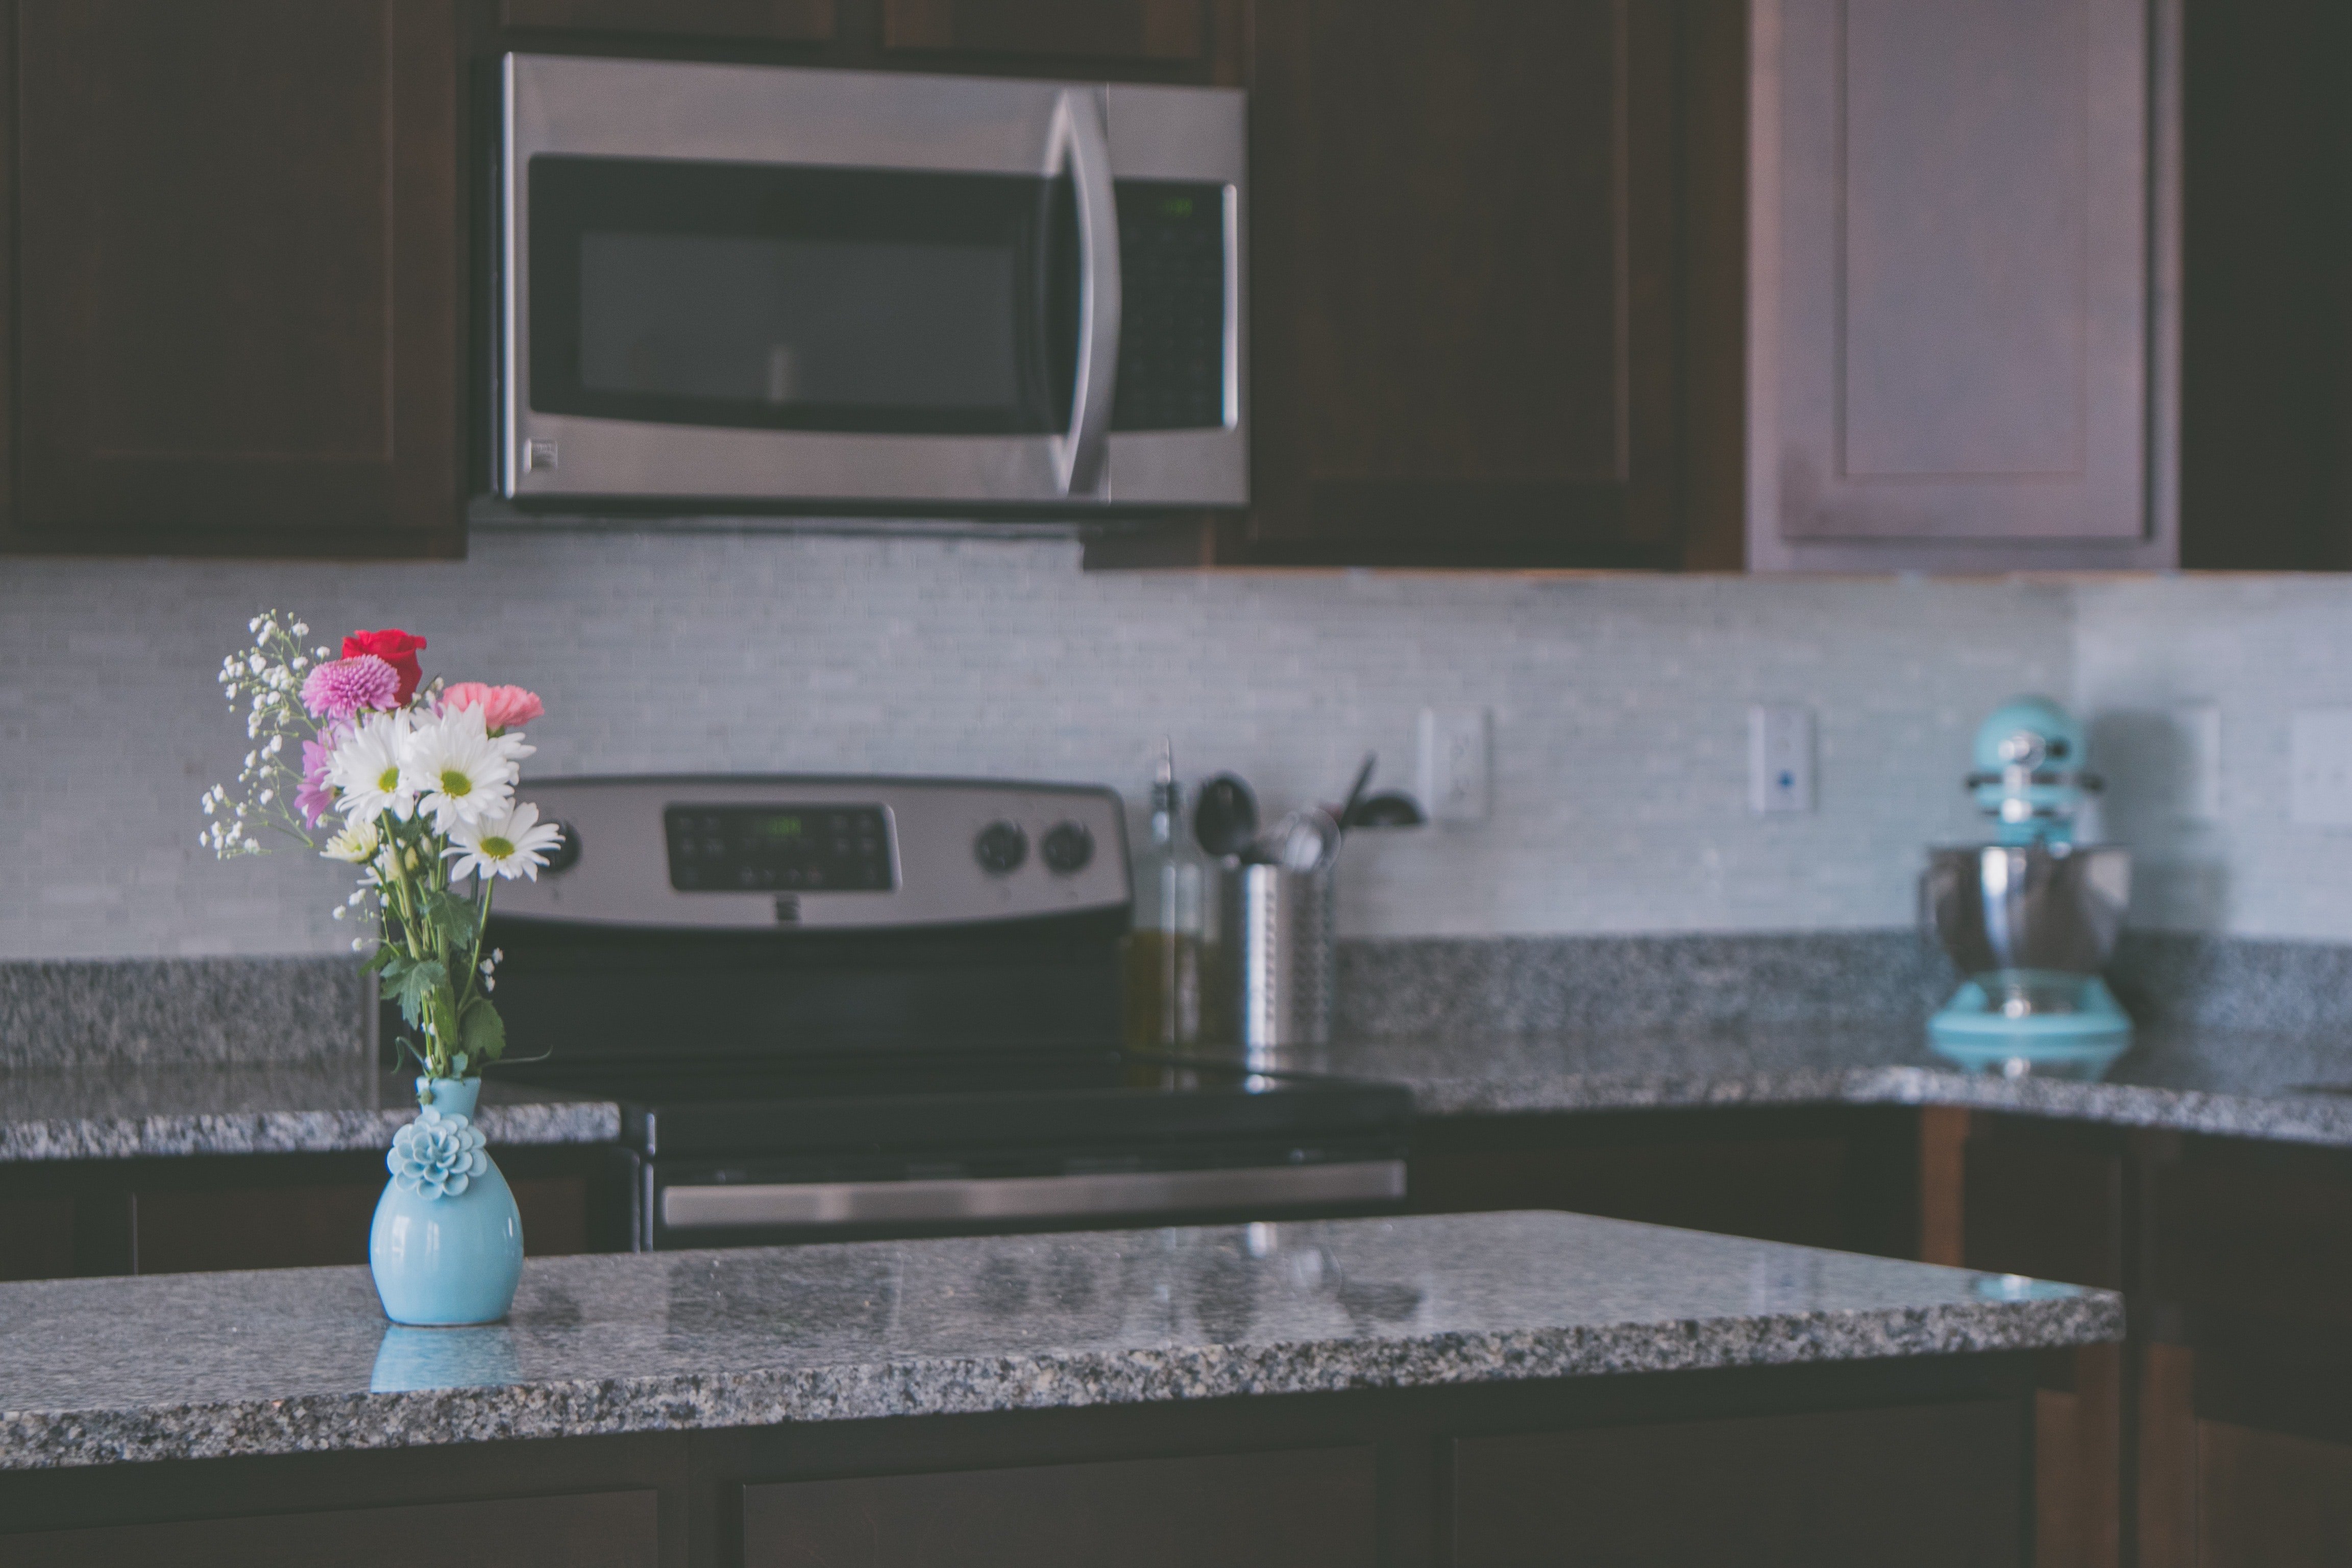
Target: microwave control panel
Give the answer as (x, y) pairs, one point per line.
(1171, 342)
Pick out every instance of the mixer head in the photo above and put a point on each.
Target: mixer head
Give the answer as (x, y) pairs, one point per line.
(2029, 775)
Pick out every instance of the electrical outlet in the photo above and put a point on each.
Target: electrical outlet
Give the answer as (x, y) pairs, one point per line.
(2319, 769)
(1453, 779)
(1779, 759)
(2199, 730)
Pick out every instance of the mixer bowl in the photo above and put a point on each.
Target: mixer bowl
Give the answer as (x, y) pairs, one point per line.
(2036, 906)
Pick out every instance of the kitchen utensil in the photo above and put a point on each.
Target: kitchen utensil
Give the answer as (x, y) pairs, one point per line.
(1389, 808)
(1224, 816)
(1305, 840)
(1346, 818)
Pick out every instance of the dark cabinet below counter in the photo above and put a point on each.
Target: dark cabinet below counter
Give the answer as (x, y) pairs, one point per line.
(607, 1530)
(205, 1213)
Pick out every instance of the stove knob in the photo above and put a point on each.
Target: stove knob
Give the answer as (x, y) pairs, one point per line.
(1000, 848)
(566, 852)
(1067, 848)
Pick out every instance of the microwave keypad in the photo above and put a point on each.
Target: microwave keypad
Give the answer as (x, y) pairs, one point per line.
(1171, 345)
(778, 848)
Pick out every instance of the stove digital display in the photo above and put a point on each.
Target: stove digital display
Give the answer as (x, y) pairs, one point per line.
(767, 848)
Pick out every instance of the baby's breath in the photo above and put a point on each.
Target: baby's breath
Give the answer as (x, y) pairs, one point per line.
(266, 682)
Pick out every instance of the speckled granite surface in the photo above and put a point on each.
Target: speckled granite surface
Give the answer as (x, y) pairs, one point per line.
(2192, 1080)
(189, 1366)
(124, 1112)
(181, 1012)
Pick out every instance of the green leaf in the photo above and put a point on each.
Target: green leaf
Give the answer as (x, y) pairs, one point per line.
(381, 959)
(452, 921)
(482, 1031)
(415, 987)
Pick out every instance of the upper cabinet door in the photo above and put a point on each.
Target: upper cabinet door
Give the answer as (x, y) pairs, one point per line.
(1959, 350)
(1136, 30)
(241, 276)
(1462, 322)
(768, 21)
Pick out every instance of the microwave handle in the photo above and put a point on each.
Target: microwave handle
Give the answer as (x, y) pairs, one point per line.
(1084, 142)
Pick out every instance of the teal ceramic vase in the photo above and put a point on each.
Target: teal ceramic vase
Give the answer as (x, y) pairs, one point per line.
(447, 1245)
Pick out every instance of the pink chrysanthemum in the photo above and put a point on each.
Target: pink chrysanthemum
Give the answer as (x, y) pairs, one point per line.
(342, 688)
(503, 707)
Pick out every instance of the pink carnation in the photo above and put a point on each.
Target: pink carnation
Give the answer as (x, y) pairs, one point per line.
(314, 799)
(503, 707)
(339, 689)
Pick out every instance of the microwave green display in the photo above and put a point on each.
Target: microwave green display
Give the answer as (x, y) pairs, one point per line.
(780, 827)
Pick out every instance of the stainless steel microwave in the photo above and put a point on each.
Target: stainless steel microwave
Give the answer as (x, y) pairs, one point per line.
(725, 285)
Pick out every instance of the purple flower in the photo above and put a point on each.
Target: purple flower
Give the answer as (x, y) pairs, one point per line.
(339, 689)
(314, 798)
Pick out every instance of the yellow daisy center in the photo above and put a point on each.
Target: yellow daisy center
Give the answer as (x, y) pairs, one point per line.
(389, 780)
(498, 848)
(454, 784)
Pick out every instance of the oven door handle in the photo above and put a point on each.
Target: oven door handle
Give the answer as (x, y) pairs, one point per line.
(712, 1207)
(1082, 146)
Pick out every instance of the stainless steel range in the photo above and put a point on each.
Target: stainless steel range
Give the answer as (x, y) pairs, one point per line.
(868, 1006)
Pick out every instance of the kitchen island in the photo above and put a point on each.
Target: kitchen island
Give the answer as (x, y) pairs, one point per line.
(1336, 1392)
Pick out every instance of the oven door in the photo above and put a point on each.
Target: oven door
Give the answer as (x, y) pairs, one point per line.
(755, 284)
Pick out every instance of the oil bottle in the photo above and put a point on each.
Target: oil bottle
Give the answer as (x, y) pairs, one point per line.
(1163, 955)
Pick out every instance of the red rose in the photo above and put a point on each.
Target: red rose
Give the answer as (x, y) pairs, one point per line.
(397, 649)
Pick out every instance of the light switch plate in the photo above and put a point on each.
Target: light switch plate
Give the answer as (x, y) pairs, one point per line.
(2319, 768)
(1453, 779)
(1779, 759)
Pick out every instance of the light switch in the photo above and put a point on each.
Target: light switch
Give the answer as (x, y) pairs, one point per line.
(1779, 759)
(1454, 780)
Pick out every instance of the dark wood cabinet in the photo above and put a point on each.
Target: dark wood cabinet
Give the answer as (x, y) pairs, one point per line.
(1463, 318)
(1909, 1485)
(764, 21)
(1295, 1510)
(1093, 29)
(202, 1213)
(240, 277)
(596, 1529)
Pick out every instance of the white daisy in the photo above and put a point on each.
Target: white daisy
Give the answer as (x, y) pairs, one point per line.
(356, 844)
(458, 770)
(365, 770)
(513, 843)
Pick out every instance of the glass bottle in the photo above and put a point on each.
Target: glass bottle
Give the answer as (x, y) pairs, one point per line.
(1163, 955)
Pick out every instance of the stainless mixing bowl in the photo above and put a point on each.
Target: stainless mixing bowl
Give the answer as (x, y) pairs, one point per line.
(2057, 907)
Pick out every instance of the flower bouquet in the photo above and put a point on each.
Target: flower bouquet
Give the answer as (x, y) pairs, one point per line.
(413, 784)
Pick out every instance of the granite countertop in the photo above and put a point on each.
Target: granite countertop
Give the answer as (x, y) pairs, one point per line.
(208, 1365)
(124, 1112)
(2228, 1083)
(2213, 1081)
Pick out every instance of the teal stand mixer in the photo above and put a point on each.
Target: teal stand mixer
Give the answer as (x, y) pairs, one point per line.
(2033, 917)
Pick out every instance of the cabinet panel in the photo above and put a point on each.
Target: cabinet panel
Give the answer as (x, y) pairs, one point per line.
(1463, 323)
(1788, 1190)
(2264, 1233)
(1943, 1484)
(780, 21)
(2269, 1500)
(242, 221)
(1101, 30)
(1950, 286)
(1311, 1509)
(37, 1236)
(596, 1529)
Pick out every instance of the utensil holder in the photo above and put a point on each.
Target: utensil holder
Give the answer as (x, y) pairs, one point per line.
(1280, 961)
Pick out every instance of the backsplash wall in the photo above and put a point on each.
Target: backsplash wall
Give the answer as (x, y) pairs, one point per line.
(1619, 704)
(2256, 648)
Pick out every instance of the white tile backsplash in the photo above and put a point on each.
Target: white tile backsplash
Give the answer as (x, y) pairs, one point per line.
(1618, 710)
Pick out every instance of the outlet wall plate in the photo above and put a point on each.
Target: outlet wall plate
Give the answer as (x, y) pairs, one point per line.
(1455, 778)
(2319, 769)
(1779, 759)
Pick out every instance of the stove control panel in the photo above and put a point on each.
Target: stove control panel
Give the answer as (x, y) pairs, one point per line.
(817, 853)
(820, 847)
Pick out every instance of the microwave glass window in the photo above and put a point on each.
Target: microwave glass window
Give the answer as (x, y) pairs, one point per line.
(786, 297)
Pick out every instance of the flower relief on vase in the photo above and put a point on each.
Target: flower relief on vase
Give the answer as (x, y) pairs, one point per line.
(411, 784)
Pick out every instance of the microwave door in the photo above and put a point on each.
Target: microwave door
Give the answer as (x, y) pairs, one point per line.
(719, 288)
